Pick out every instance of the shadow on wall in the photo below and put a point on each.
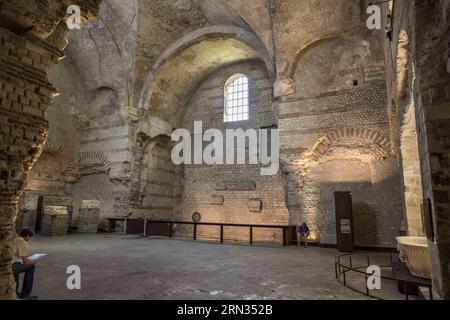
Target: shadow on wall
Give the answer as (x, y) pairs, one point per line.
(331, 65)
(320, 213)
(377, 213)
(365, 215)
(94, 187)
(105, 103)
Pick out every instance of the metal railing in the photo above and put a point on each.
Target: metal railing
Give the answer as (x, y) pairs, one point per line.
(344, 264)
(286, 229)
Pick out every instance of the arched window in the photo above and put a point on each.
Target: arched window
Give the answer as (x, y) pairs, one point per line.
(236, 99)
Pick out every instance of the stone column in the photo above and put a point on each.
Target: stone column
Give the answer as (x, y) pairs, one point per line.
(55, 221)
(89, 216)
(31, 39)
(8, 209)
(24, 96)
(70, 212)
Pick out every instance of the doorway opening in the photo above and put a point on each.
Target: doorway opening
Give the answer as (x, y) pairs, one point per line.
(39, 215)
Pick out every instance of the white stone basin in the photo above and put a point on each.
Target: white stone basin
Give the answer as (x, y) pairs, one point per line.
(414, 252)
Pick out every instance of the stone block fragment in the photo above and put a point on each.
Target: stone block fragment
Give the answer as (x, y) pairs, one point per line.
(217, 200)
(55, 221)
(255, 205)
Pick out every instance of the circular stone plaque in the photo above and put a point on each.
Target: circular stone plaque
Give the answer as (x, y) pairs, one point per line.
(196, 217)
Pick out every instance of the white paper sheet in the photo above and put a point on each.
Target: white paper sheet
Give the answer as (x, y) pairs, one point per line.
(37, 256)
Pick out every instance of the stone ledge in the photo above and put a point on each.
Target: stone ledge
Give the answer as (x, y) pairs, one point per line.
(236, 186)
(217, 200)
(55, 210)
(255, 205)
(90, 204)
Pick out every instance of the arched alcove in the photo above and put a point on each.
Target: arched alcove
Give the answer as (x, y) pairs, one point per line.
(357, 160)
(166, 102)
(331, 64)
(185, 64)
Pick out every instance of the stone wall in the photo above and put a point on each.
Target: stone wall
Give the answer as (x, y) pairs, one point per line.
(50, 178)
(330, 105)
(27, 214)
(47, 175)
(432, 52)
(88, 121)
(88, 188)
(55, 221)
(104, 52)
(401, 77)
(24, 98)
(328, 95)
(31, 37)
(88, 217)
(419, 96)
(335, 136)
(156, 195)
(232, 194)
(376, 213)
(63, 115)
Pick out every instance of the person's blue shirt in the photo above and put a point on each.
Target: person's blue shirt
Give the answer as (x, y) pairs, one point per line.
(303, 229)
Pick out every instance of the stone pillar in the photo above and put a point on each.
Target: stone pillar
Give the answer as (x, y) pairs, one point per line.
(70, 212)
(64, 202)
(55, 221)
(89, 216)
(24, 96)
(8, 209)
(27, 212)
(31, 39)
(432, 55)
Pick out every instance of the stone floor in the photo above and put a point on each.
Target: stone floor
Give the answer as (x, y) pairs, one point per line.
(127, 267)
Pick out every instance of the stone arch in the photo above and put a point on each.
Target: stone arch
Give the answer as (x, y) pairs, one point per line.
(262, 102)
(265, 101)
(383, 142)
(349, 36)
(300, 53)
(51, 172)
(70, 166)
(203, 108)
(230, 79)
(339, 63)
(380, 146)
(248, 73)
(95, 158)
(345, 159)
(214, 35)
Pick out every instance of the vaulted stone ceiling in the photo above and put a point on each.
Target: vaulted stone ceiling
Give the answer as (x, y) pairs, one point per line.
(158, 30)
(177, 79)
(119, 49)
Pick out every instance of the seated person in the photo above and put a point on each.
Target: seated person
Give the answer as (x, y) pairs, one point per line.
(24, 265)
(303, 232)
